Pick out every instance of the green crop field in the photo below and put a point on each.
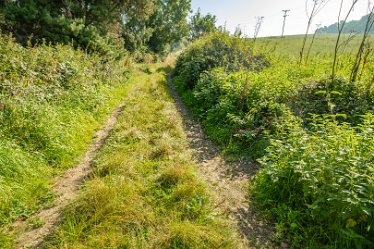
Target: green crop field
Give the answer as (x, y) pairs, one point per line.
(323, 44)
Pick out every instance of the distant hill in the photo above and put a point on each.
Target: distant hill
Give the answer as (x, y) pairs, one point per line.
(355, 26)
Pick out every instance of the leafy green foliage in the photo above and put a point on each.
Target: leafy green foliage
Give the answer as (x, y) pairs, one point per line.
(202, 25)
(215, 50)
(169, 24)
(99, 25)
(92, 25)
(334, 97)
(317, 178)
(320, 185)
(51, 101)
(239, 108)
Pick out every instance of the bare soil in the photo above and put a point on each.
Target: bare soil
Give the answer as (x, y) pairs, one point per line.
(228, 180)
(66, 188)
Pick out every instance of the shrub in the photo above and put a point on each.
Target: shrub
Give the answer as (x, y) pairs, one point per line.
(215, 50)
(242, 108)
(318, 172)
(320, 186)
(334, 97)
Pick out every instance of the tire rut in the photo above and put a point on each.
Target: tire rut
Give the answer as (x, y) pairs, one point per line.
(228, 180)
(66, 188)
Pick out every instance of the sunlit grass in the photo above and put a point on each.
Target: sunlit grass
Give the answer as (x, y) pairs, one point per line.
(144, 192)
(323, 44)
(52, 99)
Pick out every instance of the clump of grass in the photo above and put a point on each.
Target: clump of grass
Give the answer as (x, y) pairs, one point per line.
(137, 199)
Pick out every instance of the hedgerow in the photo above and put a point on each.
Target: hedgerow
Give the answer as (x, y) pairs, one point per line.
(313, 135)
(215, 50)
(52, 98)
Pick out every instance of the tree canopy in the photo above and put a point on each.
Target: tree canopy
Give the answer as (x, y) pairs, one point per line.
(153, 24)
(355, 26)
(202, 25)
(169, 24)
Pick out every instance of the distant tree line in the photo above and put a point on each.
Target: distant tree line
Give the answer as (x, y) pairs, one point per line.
(355, 26)
(151, 25)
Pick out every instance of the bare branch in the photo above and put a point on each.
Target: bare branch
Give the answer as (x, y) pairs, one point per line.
(340, 30)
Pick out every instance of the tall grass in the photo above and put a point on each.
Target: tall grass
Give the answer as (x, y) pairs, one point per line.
(52, 99)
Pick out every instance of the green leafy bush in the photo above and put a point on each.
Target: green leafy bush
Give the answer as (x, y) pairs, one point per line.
(238, 108)
(318, 172)
(60, 22)
(320, 185)
(215, 50)
(334, 97)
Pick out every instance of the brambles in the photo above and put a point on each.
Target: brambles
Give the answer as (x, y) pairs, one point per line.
(215, 50)
(337, 96)
(313, 133)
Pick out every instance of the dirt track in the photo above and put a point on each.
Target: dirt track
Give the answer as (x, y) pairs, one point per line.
(66, 188)
(228, 180)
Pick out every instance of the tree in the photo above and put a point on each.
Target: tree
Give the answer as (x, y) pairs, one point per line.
(84, 22)
(136, 31)
(154, 24)
(202, 25)
(169, 24)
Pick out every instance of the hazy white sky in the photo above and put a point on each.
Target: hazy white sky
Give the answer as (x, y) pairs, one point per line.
(244, 13)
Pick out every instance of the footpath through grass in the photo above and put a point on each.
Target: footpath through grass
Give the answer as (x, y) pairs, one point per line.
(52, 99)
(145, 192)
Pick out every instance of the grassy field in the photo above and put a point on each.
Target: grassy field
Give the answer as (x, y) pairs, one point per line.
(323, 44)
(144, 192)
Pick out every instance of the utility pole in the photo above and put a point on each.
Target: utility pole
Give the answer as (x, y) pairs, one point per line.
(284, 20)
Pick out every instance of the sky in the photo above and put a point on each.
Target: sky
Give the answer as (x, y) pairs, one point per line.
(244, 13)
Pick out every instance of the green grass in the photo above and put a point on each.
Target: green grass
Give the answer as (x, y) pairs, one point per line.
(145, 192)
(52, 99)
(323, 45)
